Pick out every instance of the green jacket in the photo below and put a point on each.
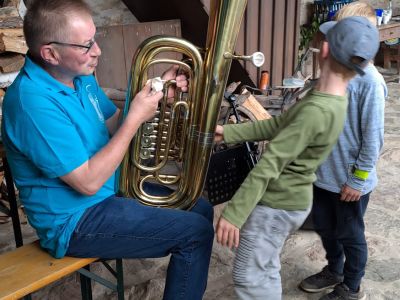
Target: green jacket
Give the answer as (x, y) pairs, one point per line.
(300, 140)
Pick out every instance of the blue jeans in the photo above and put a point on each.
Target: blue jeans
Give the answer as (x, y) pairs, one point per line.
(124, 228)
(341, 227)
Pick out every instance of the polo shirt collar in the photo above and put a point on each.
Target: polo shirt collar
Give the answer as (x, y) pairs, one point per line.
(40, 76)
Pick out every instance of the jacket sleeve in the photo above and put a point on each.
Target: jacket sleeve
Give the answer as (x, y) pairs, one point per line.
(285, 147)
(371, 116)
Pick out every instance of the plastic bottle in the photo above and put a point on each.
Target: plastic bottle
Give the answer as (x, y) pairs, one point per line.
(264, 80)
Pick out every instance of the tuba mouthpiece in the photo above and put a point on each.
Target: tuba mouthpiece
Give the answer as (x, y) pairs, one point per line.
(257, 58)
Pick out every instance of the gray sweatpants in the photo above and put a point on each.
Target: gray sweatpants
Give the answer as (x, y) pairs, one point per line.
(257, 263)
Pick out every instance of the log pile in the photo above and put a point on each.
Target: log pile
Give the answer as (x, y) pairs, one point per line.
(12, 42)
(12, 57)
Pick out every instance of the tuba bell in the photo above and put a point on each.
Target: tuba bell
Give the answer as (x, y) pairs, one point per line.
(182, 131)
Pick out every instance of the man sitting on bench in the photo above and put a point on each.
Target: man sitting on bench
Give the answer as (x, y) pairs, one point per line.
(57, 124)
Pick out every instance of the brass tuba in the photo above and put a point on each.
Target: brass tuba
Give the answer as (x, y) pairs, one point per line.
(184, 130)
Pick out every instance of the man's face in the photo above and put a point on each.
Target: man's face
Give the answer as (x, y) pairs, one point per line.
(75, 60)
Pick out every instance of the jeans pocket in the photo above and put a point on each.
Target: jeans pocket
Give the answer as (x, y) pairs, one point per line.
(279, 230)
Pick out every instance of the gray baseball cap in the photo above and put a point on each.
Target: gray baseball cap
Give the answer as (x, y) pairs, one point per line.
(352, 37)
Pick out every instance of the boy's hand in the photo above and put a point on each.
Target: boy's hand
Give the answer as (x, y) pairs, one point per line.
(349, 194)
(219, 134)
(227, 233)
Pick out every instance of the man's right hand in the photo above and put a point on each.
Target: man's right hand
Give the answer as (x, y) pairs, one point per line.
(90, 176)
(145, 103)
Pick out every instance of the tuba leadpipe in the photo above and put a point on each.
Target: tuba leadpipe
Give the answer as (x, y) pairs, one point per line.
(162, 140)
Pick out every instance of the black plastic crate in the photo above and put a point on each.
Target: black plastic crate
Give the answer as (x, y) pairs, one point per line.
(227, 170)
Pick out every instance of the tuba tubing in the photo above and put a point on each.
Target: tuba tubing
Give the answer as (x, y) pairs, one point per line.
(208, 75)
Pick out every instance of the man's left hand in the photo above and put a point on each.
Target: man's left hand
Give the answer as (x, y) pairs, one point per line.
(181, 80)
(227, 233)
(349, 194)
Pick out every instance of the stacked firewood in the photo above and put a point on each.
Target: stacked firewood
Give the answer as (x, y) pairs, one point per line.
(12, 42)
(12, 57)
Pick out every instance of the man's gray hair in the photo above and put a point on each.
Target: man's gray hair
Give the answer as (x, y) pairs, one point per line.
(47, 20)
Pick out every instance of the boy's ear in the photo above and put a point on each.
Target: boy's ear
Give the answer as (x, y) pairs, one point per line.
(324, 49)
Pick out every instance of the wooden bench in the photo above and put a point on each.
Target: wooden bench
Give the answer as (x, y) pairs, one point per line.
(29, 268)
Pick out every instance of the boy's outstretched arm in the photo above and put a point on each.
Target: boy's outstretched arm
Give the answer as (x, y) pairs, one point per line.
(287, 145)
(252, 131)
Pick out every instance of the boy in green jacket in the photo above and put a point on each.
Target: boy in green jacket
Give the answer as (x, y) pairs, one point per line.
(275, 198)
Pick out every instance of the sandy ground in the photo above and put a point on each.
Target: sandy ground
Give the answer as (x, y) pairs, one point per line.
(302, 255)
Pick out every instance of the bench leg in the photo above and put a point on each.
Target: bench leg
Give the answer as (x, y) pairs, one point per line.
(12, 199)
(87, 276)
(86, 286)
(120, 279)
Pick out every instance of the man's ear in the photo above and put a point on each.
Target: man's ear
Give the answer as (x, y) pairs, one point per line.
(49, 54)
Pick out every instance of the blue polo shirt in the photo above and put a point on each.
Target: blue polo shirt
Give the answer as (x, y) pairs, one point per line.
(48, 130)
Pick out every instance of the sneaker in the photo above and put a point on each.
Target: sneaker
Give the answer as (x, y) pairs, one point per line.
(342, 292)
(320, 281)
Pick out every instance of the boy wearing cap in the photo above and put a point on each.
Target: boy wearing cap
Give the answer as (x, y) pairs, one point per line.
(346, 179)
(275, 198)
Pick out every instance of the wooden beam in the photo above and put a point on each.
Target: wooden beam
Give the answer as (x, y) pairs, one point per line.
(251, 103)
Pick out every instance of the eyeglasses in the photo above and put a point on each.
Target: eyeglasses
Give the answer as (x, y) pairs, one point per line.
(87, 47)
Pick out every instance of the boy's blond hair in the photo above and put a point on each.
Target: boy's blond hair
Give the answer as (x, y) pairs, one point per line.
(357, 8)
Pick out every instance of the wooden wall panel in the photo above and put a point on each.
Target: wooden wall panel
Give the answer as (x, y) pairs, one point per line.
(266, 36)
(269, 26)
(272, 27)
(118, 45)
(290, 38)
(110, 71)
(134, 35)
(240, 44)
(278, 46)
(252, 28)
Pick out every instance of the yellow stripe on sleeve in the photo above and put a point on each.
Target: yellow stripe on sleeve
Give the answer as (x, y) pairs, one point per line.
(360, 174)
